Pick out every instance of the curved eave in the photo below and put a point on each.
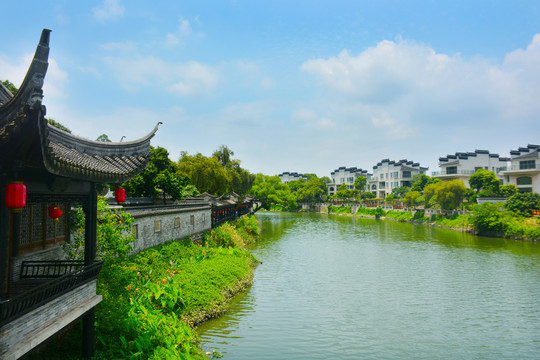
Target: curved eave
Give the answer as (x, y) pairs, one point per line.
(30, 93)
(76, 157)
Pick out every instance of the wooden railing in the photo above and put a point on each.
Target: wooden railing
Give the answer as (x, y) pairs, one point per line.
(20, 305)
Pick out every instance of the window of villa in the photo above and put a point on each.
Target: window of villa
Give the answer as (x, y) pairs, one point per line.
(526, 164)
(452, 170)
(381, 176)
(524, 180)
(406, 174)
(525, 190)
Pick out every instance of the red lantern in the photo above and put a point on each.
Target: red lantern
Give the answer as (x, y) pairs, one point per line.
(16, 196)
(55, 212)
(120, 195)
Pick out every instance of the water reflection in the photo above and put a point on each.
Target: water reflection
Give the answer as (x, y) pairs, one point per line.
(349, 288)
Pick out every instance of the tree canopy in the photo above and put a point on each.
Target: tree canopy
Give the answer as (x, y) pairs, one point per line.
(485, 181)
(217, 174)
(160, 176)
(269, 190)
(103, 138)
(9, 85)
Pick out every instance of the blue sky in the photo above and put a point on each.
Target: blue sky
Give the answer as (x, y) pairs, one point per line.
(304, 86)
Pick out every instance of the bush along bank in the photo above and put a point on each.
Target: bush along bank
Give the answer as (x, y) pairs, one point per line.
(153, 300)
(486, 219)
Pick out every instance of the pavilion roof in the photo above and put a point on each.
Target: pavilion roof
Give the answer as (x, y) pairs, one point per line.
(27, 138)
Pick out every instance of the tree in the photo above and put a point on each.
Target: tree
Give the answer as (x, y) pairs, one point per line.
(58, 125)
(367, 195)
(343, 192)
(159, 176)
(269, 190)
(312, 190)
(420, 181)
(240, 180)
(523, 203)
(360, 184)
(224, 155)
(400, 191)
(9, 85)
(206, 173)
(450, 194)
(103, 138)
(486, 181)
(113, 233)
(411, 198)
(429, 193)
(508, 190)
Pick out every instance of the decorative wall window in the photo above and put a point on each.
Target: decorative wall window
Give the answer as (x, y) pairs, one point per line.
(157, 226)
(177, 222)
(135, 231)
(192, 219)
(524, 180)
(526, 164)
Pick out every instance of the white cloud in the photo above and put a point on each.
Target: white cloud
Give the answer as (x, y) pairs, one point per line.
(183, 79)
(184, 30)
(391, 127)
(402, 99)
(109, 9)
(15, 70)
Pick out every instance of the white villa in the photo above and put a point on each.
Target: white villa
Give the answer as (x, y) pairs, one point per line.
(388, 175)
(344, 175)
(463, 164)
(287, 176)
(525, 169)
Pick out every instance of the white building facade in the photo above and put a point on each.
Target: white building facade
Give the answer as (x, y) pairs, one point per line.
(463, 164)
(389, 174)
(345, 175)
(287, 176)
(525, 169)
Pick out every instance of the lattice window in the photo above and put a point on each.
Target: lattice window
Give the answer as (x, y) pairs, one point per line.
(37, 229)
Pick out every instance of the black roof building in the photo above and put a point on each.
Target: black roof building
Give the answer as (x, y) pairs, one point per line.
(61, 169)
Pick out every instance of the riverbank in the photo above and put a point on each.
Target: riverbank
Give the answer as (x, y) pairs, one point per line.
(152, 301)
(517, 228)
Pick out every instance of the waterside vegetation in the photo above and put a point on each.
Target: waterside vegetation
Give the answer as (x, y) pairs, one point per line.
(153, 300)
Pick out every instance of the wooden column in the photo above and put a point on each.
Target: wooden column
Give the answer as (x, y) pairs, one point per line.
(90, 211)
(4, 241)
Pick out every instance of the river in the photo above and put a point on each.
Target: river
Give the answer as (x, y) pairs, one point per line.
(336, 287)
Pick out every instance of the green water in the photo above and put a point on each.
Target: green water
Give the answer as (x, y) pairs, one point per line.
(334, 287)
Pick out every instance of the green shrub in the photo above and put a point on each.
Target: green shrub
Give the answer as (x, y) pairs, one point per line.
(489, 218)
(340, 209)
